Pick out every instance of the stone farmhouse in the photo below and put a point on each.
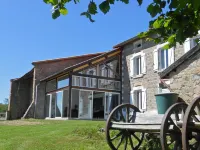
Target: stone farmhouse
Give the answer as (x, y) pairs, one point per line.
(90, 86)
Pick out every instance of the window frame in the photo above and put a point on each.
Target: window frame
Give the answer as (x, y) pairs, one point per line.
(142, 107)
(157, 54)
(141, 63)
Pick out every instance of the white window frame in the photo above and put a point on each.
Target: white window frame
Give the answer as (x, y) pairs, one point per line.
(156, 54)
(94, 80)
(136, 43)
(190, 43)
(142, 102)
(142, 65)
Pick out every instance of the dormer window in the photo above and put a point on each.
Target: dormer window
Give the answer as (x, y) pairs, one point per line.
(137, 44)
(190, 43)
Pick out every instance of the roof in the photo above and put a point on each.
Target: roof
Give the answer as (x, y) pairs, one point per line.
(25, 76)
(77, 66)
(180, 61)
(126, 42)
(66, 58)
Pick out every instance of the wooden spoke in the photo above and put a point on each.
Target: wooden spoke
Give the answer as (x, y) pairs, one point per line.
(131, 142)
(195, 118)
(135, 137)
(176, 115)
(116, 136)
(115, 119)
(126, 142)
(127, 114)
(120, 141)
(122, 116)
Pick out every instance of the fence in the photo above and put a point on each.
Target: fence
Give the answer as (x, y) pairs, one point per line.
(2, 116)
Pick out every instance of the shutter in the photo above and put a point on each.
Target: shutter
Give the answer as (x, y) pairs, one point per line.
(131, 66)
(144, 102)
(143, 61)
(155, 53)
(187, 45)
(171, 56)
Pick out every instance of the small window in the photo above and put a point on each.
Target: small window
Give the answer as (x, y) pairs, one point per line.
(63, 82)
(138, 97)
(137, 44)
(163, 59)
(138, 64)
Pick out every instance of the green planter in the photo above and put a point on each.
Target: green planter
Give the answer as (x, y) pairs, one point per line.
(165, 100)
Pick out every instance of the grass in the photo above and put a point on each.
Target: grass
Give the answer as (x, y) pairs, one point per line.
(52, 135)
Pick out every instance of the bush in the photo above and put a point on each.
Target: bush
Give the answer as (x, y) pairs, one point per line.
(151, 142)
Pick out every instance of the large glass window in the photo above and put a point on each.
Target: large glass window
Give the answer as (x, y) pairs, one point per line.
(63, 82)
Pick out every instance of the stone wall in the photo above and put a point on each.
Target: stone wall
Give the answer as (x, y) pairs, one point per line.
(185, 80)
(20, 97)
(150, 80)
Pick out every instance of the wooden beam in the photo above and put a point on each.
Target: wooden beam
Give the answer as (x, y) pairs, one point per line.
(95, 89)
(97, 77)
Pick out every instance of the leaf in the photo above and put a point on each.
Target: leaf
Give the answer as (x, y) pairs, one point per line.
(125, 1)
(171, 39)
(88, 15)
(196, 4)
(158, 23)
(63, 11)
(153, 10)
(111, 1)
(140, 2)
(92, 8)
(104, 7)
(56, 14)
(167, 22)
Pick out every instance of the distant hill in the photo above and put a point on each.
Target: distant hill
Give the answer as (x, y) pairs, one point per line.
(3, 107)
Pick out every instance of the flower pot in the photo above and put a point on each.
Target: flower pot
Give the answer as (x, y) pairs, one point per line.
(165, 100)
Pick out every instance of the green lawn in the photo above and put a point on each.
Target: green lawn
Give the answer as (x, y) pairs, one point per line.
(55, 135)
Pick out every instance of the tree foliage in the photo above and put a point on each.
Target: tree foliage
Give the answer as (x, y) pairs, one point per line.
(172, 20)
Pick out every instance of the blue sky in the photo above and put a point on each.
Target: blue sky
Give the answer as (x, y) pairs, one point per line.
(28, 33)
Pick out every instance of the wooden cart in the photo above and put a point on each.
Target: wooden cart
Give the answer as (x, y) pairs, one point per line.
(178, 128)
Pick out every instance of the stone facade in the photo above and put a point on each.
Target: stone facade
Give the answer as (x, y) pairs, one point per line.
(150, 79)
(185, 79)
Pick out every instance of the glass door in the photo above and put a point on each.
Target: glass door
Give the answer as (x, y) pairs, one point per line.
(85, 104)
(112, 100)
(59, 104)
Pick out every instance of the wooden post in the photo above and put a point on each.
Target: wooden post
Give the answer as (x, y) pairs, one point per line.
(70, 93)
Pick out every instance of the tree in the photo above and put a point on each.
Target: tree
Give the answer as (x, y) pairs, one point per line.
(172, 20)
(6, 101)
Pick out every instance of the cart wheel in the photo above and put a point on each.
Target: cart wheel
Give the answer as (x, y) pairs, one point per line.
(191, 134)
(170, 134)
(116, 135)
